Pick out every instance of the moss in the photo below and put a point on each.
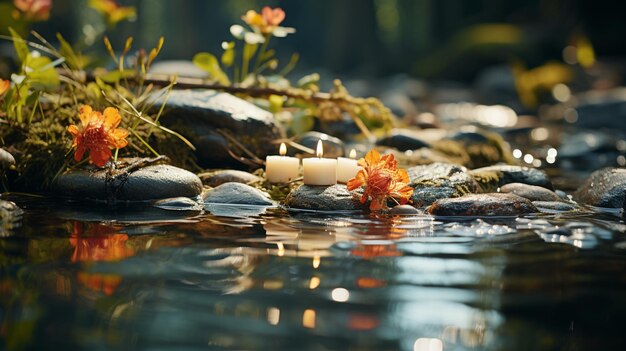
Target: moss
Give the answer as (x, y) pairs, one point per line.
(488, 180)
(455, 151)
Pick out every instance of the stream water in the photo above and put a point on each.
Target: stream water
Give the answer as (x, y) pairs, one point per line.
(79, 277)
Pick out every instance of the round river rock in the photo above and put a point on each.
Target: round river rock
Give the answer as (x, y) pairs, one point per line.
(332, 198)
(237, 193)
(530, 192)
(148, 183)
(492, 204)
(604, 188)
(220, 177)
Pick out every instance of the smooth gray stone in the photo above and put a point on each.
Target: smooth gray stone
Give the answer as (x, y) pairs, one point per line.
(482, 205)
(492, 177)
(324, 198)
(403, 140)
(217, 178)
(552, 206)
(198, 114)
(6, 159)
(237, 193)
(530, 192)
(148, 183)
(404, 210)
(604, 188)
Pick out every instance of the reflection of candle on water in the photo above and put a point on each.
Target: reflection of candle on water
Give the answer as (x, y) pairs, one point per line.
(347, 168)
(281, 169)
(318, 170)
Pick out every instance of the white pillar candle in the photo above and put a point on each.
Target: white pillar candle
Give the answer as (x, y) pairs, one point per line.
(347, 168)
(281, 169)
(318, 170)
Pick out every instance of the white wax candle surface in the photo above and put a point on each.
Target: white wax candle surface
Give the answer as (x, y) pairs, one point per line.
(281, 169)
(320, 171)
(347, 168)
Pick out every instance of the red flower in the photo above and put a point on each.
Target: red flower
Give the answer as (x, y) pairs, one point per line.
(34, 10)
(382, 180)
(98, 133)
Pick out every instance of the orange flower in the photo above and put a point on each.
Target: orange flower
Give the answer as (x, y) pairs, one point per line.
(4, 86)
(382, 180)
(265, 22)
(34, 10)
(112, 11)
(98, 133)
(254, 19)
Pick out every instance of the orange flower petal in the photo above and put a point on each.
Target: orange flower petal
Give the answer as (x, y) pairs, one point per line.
(112, 118)
(372, 157)
(402, 176)
(357, 181)
(4, 86)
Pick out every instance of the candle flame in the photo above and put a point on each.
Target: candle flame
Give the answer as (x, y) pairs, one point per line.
(353, 153)
(320, 149)
(283, 149)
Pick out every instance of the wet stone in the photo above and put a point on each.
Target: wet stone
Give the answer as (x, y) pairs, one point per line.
(530, 192)
(199, 114)
(493, 177)
(332, 198)
(217, 178)
(333, 147)
(439, 181)
(552, 206)
(493, 204)
(604, 188)
(6, 159)
(403, 140)
(404, 210)
(148, 183)
(237, 193)
(178, 204)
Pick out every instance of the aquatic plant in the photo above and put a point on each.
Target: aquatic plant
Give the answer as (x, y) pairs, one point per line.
(382, 180)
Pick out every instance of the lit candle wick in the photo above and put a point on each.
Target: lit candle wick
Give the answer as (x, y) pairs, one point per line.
(320, 149)
(283, 149)
(353, 154)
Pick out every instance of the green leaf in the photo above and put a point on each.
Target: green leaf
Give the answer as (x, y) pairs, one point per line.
(74, 61)
(209, 64)
(20, 45)
(40, 71)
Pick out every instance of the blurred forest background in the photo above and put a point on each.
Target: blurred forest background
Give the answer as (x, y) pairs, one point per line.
(444, 39)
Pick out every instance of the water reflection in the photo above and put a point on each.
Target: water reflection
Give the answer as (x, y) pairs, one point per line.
(311, 282)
